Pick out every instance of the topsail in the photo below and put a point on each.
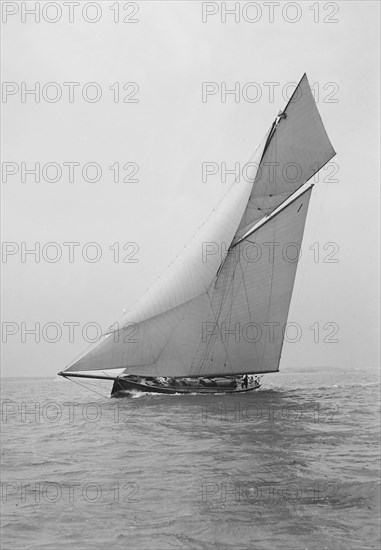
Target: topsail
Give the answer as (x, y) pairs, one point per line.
(221, 308)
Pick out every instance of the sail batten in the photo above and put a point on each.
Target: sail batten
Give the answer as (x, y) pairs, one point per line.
(221, 308)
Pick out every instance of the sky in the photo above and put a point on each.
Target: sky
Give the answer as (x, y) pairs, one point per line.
(145, 116)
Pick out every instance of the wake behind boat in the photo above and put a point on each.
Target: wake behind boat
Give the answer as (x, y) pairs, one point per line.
(220, 309)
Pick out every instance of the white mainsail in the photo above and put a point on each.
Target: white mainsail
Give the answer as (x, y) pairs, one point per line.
(222, 306)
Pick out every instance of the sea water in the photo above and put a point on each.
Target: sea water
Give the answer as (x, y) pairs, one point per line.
(294, 465)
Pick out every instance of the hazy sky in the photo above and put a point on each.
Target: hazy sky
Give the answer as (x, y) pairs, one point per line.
(169, 52)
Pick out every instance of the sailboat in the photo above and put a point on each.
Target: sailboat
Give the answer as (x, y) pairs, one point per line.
(215, 320)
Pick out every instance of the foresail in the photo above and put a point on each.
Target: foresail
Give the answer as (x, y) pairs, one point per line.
(141, 335)
(298, 147)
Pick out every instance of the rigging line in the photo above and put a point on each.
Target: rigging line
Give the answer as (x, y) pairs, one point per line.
(196, 370)
(238, 261)
(271, 289)
(247, 301)
(86, 387)
(230, 284)
(209, 344)
(208, 349)
(229, 287)
(225, 258)
(230, 290)
(235, 295)
(274, 152)
(217, 313)
(226, 287)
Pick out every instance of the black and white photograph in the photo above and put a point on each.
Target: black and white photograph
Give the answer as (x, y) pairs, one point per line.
(190, 275)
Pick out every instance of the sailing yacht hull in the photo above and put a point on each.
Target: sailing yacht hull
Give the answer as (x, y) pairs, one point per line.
(123, 387)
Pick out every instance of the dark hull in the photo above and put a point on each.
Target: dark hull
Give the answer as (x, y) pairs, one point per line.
(123, 388)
